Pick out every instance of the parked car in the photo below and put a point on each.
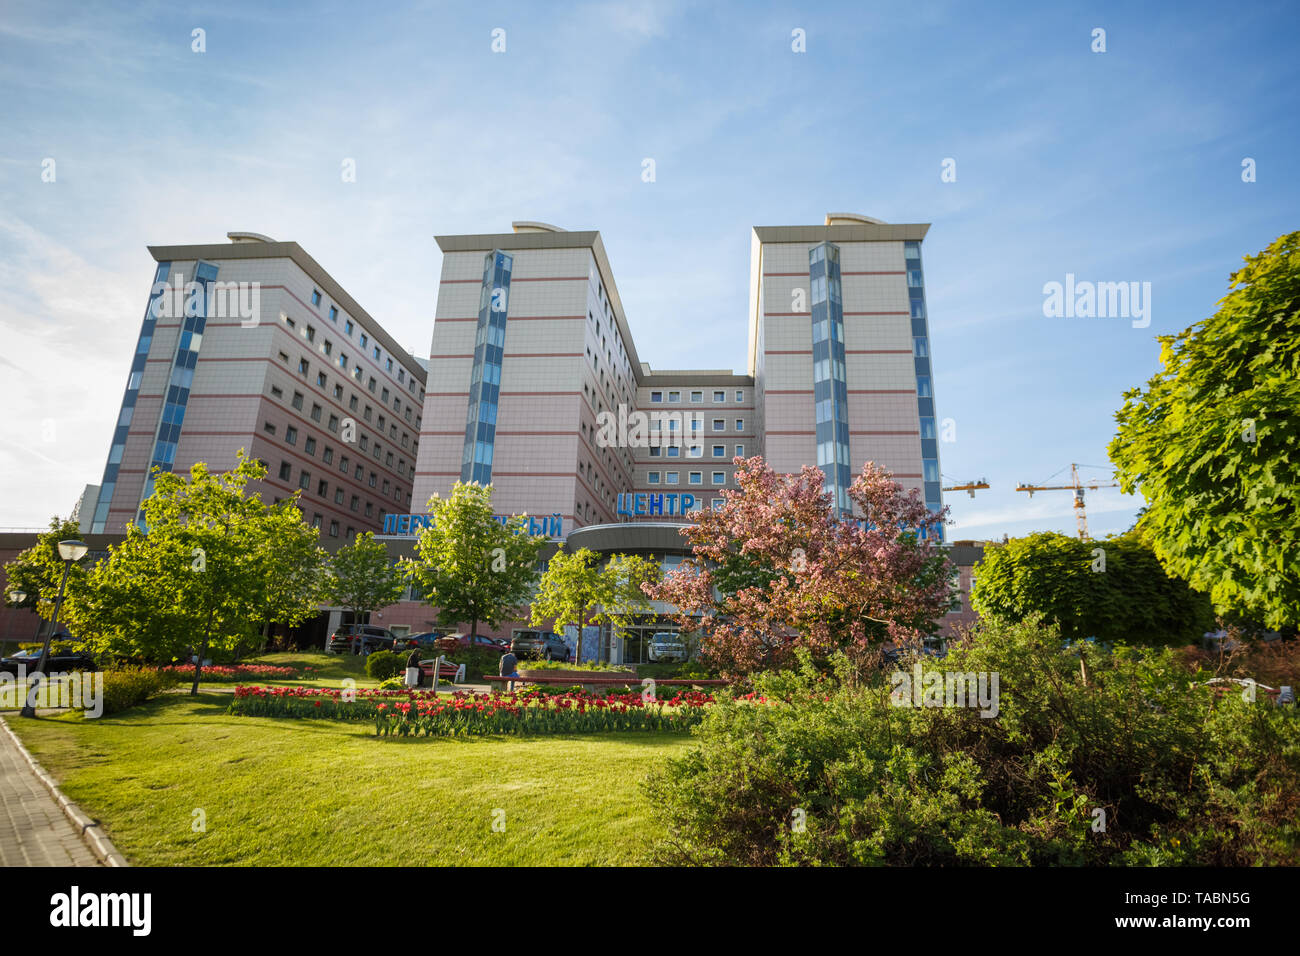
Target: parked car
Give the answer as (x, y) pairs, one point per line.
(425, 641)
(464, 642)
(360, 639)
(540, 645)
(667, 646)
(62, 660)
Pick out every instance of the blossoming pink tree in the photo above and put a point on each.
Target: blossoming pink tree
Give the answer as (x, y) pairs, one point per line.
(774, 569)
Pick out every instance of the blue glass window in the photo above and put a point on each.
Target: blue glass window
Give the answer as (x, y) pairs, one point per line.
(485, 376)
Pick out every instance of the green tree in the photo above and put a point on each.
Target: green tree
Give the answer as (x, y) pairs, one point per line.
(472, 567)
(1211, 444)
(576, 589)
(205, 575)
(1114, 590)
(38, 570)
(361, 577)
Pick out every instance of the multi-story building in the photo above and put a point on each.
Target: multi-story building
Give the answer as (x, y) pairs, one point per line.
(533, 353)
(251, 344)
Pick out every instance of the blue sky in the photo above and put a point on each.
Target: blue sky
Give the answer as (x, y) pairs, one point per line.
(1115, 166)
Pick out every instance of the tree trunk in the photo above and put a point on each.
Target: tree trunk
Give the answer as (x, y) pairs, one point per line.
(198, 663)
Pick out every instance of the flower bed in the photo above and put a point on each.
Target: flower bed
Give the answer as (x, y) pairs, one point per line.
(407, 713)
(220, 673)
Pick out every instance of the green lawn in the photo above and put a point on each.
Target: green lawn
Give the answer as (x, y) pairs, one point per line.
(317, 792)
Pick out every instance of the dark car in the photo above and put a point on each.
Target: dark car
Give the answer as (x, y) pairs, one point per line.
(479, 641)
(410, 641)
(60, 661)
(360, 639)
(542, 645)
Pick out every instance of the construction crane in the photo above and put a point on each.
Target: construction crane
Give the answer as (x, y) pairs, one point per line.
(1077, 486)
(969, 487)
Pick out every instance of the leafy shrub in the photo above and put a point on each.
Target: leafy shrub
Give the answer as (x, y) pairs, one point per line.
(396, 682)
(668, 670)
(384, 664)
(1133, 599)
(561, 666)
(1181, 775)
(125, 687)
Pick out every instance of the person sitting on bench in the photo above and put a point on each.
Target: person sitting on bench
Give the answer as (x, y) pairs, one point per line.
(508, 667)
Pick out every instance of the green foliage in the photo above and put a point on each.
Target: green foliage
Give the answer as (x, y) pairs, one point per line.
(471, 567)
(1182, 777)
(127, 686)
(382, 665)
(214, 567)
(577, 589)
(561, 666)
(1132, 600)
(360, 577)
(1211, 444)
(38, 570)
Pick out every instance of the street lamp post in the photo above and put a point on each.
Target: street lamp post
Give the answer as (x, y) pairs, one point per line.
(70, 551)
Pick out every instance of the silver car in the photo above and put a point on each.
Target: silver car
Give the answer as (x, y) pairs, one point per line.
(666, 646)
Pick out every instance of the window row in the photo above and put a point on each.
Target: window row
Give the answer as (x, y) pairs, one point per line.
(719, 396)
(692, 478)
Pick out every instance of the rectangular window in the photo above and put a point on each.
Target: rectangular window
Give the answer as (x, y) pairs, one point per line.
(740, 451)
(347, 326)
(327, 455)
(697, 396)
(338, 496)
(286, 471)
(277, 391)
(719, 396)
(365, 340)
(304, 480)
(655, 451)
(303, 367)
(316, 412)
(333, 423)
(719, 451)
(310, 333)
(656, 396)
(740, 424)
(297, 400)
(719, 477)
(334, 529)
(652, 478)
(719, 424)
(740, 395)
(268, 428)
(315, 521)
(310, 446)
(323, 488)
(355, 503)
(315, 297)
(334, 313)
(923, 386)
(674, 396)
(696, 478)
(291, 435)
(671, 477)
(674, 451)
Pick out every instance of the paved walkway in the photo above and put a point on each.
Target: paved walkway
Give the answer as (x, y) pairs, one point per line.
(34, 830)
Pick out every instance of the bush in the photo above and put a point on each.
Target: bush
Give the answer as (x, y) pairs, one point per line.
(1133, 599)
(561, 666)
(384, 664)
(1125, 761)
(125, 687)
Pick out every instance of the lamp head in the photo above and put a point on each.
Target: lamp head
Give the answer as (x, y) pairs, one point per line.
(73, 550)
